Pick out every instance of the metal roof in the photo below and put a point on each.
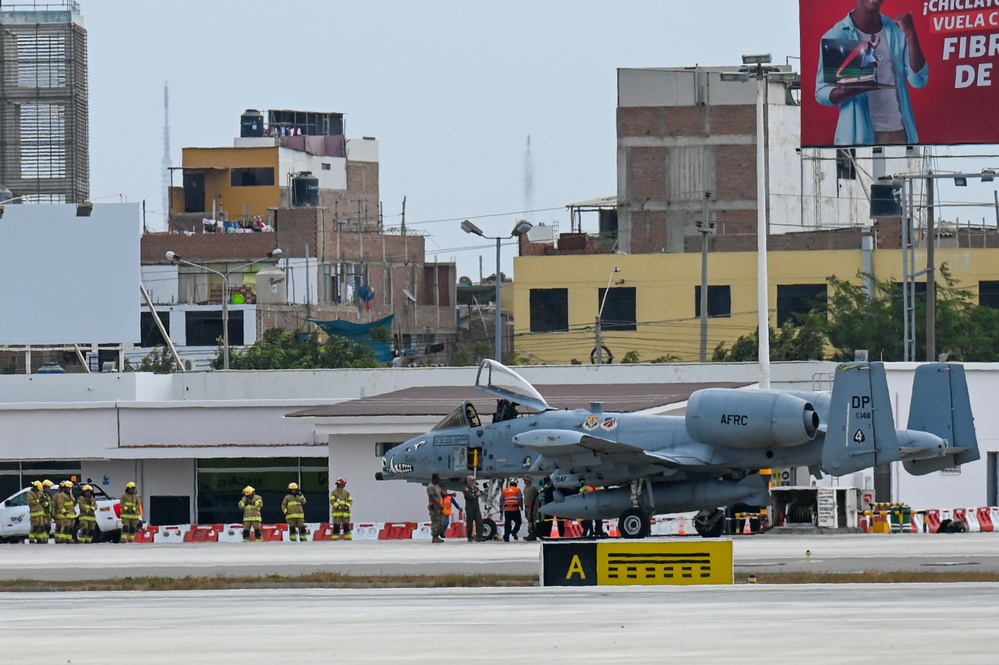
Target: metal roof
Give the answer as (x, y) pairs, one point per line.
(440, 400)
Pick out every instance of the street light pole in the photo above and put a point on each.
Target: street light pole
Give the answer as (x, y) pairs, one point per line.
(706, 228)
(598, 328)
(762, 278)
(175, 258)
(520, 228)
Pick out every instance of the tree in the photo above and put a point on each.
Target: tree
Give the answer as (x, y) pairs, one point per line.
(789, 342)
(280, 349)
(158, 361)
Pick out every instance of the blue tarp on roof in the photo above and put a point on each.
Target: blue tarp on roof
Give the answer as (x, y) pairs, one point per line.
(360, 332)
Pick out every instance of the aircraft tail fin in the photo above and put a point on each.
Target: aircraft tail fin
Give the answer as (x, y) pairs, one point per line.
(941, 405)
(861, 430)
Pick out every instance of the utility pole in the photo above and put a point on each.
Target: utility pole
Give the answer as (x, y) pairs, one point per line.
(706, 228)
(931, 282)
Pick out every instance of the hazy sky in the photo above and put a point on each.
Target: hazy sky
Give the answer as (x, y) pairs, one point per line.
(450, 89)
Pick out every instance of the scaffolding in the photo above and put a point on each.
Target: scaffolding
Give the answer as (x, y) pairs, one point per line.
(44, 125)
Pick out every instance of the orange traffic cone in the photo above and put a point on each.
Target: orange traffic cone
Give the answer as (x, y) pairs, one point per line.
(747, 527)
(554, 534)
(614, 533)
(683, 527)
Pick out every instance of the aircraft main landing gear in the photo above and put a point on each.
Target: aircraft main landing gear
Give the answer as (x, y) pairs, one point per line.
(710, 523)
(488, 529)
(633, 523)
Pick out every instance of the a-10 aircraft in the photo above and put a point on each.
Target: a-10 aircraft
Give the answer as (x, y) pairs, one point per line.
(708, 458)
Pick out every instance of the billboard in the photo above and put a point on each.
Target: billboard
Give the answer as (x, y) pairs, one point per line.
(899, 72)
(69, 280)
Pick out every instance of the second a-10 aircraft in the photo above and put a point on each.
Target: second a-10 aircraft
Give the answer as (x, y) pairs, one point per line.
(708, 458)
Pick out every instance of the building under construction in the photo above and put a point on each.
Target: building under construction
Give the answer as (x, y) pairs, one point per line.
(44, 143)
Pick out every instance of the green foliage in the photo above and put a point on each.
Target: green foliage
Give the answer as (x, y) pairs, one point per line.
(630, 358)
(471, 353)
(789, 342)
(380, 334)
(158, 361)
(574, 361)
(280, 349)
(668, 358)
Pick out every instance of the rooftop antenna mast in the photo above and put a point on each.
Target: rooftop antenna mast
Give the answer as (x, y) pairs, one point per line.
(528, 182)
(166, 155)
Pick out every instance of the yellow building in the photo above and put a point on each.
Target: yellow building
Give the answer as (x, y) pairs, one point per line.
(652, 306)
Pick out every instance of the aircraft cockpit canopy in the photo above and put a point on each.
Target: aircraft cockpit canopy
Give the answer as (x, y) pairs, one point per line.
(463, 415)
(501, 381)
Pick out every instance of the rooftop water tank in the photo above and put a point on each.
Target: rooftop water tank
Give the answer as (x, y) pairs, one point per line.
(272, 287)
(251, 123)
(305, 190)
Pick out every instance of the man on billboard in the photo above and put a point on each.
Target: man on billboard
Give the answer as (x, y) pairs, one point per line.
(867, 62)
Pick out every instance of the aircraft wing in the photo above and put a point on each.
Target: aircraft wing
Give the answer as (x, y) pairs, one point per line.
(689, 455)
(557, 442)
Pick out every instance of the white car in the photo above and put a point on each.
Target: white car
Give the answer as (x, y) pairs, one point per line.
(15, 520)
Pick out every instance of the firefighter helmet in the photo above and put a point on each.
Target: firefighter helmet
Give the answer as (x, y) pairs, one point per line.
(130, 486)
(66, 484)
(341, 481)
(248, 491)
(292, 486)
(37, 485)
(47, 483)
(88, 488)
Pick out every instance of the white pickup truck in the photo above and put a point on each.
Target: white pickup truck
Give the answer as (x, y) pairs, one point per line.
(15, 522)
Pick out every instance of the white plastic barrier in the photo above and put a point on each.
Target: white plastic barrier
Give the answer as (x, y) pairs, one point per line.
(994, 513)
(917, 522)
(971, 519)
(368, 531)
(423, 532)
(171, 534)
(231, 533)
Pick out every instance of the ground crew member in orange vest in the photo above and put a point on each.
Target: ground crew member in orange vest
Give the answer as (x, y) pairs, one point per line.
(64, 510)
(47, 503)
(88, 515)
(38, 500)
(448, 506)
(131, 513)
(293, 508)
(513, 503)
(341, 502)
(251, 504)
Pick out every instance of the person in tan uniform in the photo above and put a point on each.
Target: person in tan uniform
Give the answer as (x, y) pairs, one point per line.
(251, 504)
(47, 504)
(64, 511)
(293, 508)
(88, 515)
(341, 502)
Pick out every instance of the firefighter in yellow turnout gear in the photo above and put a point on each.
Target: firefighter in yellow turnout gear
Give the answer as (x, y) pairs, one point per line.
(38, 509)
(341, 501)
(293, 508)
(47, 504)
(251, 504)
(88, 515)
(64, 511)
(131, 513)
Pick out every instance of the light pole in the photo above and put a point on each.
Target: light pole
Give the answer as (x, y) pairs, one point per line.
(705, 228)
(175, 258)
(519, 229)
(758, 67)
(600, 317)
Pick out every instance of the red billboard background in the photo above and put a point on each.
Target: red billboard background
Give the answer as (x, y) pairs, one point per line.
(960, 41)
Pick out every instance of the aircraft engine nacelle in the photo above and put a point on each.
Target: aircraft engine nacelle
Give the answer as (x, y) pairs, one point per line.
(750, 419)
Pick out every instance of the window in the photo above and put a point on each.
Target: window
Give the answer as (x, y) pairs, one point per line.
(259, 177)
(325, 166)
(205, 328)
(988, 294)
(719, 301)
(846, 164)
(220, 482)
(549, 310)
(148, 330)
(618, 309)
(795, 301)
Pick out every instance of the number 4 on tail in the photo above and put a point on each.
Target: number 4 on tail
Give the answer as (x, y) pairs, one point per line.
(859, 437)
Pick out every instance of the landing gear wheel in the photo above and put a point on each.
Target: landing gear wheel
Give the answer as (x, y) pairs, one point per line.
(710, 523)
(488, 529)
(633, 523)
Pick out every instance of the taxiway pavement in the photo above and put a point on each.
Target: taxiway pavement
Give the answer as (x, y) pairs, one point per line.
(759, 553)
(774, 625)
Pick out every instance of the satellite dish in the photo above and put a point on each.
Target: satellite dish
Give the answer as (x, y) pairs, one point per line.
(409, 295)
